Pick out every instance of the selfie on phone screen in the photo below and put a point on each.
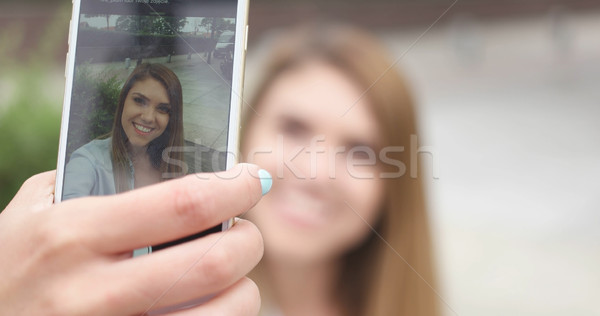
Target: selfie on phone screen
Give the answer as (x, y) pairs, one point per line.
(152, 88)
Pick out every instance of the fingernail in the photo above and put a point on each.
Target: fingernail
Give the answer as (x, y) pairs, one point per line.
(265, 181)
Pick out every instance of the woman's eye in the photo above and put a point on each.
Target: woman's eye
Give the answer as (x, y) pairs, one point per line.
(138, 100)
(360, 154)
(293, 127)
(164, 109)
(361, 151)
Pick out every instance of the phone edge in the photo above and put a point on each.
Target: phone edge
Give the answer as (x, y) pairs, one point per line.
(66, 109)
(237, 88)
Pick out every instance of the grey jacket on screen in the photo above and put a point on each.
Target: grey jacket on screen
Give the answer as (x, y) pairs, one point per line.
(90, 171)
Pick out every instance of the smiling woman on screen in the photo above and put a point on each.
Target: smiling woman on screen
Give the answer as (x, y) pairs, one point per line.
(148, 120)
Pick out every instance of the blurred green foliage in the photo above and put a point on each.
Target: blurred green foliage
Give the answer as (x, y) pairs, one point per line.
(104, 105)
(93, 105)
(31, 89)
(29, 126)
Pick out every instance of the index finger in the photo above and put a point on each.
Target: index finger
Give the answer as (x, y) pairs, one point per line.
(164, 212)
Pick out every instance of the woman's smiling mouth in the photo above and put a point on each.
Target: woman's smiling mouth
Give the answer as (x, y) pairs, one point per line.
(141, 129)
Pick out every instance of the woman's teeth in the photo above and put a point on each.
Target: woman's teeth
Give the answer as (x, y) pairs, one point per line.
(142, 128)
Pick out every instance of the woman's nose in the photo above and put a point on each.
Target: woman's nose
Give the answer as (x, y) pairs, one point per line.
(147, 115)
(316, 161)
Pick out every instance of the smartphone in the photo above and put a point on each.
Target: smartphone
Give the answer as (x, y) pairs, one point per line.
(153, 92)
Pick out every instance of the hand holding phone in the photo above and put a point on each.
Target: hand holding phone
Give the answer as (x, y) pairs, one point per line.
(73, 257)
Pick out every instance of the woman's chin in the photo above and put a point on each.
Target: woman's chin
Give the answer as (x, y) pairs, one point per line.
(295, 254)
(138, 144)
(297, 248)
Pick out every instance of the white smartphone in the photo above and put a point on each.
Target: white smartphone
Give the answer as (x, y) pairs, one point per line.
(153, 92)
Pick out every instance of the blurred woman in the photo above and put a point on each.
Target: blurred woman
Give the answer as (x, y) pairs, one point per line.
(345, 226)
(148, 120)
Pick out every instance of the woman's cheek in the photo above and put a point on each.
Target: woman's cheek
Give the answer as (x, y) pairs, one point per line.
(280, 155)
(364, 196)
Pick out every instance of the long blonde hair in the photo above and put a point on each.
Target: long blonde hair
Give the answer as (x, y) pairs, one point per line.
(391, 272)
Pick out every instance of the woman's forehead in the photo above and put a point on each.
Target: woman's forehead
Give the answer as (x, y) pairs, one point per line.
(151, 88)
(322, 94)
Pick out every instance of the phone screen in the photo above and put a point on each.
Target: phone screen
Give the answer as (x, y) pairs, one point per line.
(153, 87)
